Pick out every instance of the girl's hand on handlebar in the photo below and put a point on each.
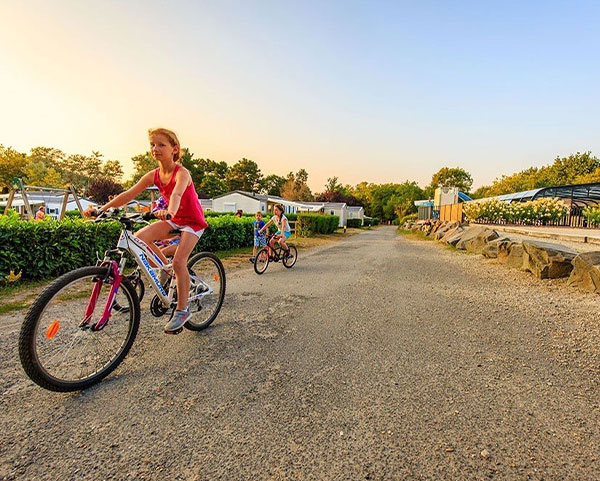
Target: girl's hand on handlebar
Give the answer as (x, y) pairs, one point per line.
(162, 214)
(91, 212)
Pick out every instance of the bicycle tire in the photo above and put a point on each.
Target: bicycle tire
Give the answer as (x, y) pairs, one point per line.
(289, 262)
(199, 326)
(27, 351)
(257, 269)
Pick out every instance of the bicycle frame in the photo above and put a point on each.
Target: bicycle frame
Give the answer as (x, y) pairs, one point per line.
(141, 253)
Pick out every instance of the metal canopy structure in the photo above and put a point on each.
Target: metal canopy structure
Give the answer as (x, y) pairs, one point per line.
(579, 194)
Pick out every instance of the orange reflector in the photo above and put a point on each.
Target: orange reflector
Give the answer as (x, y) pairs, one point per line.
(52, 329)
(216, 277)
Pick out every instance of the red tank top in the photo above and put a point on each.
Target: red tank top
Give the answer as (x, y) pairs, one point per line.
(190, 211)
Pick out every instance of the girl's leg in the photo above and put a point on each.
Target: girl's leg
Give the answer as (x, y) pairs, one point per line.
(169, 250)
(185, 248)
(282, 243)
(152, 232)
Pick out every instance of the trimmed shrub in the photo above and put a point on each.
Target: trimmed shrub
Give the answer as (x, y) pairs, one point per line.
(73, 214)
(50, 248)
(354, 223)
(309, 224)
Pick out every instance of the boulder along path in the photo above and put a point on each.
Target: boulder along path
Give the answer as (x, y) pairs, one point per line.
(374, 358)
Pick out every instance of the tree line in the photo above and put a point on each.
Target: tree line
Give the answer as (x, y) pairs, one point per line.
(97, 178)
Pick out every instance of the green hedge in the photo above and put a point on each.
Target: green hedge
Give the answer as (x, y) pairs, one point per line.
(309, 224)
(354, 223)
(212, 213)
(50, 248)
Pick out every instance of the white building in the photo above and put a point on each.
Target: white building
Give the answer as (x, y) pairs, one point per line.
(332, 208)
(249, 202)
(356, 212)
(52, 201)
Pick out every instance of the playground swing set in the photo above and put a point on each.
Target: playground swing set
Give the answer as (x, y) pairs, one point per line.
(19, 187)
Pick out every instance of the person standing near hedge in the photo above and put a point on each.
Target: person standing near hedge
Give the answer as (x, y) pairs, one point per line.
(176, 186)
(260, 240)
(41, 213)
(283, 229)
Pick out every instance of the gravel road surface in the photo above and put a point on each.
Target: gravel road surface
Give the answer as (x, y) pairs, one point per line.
(374, 358)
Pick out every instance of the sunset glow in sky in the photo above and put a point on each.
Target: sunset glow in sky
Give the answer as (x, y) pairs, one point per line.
(381, 91)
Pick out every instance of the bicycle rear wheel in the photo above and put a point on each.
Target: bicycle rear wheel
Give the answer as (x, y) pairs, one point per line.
(207, 280)
(291, 259)
(62, 353)
(261, 261)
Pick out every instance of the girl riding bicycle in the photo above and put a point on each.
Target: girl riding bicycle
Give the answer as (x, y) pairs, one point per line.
(283, 229)
(183, 213)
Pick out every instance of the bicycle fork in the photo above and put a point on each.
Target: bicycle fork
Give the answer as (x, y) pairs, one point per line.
(89, 311)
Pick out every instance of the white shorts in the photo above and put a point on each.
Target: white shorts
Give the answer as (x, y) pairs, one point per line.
(186, 228)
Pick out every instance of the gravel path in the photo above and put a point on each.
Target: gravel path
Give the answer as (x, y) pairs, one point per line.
(374, 358)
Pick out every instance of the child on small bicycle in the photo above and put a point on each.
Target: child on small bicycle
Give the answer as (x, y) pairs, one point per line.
(283, 229)
(184, 210)
(260, 240)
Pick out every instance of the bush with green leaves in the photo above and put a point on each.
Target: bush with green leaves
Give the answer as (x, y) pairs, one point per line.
(408, 217)
(356, 223)
(50, 248)
(532, 212)
(310, 224)
(592, 214)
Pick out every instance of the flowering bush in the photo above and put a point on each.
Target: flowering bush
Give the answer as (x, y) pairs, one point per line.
(531, 212)
(592, 214)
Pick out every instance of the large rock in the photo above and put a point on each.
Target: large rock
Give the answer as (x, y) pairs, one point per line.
(491, 249)
(475, 238)
(586, 272)
(547, 261)
(511, 253)
(444, 228)
(453, 236)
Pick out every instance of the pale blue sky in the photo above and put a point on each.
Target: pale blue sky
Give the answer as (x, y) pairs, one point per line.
(377, 91)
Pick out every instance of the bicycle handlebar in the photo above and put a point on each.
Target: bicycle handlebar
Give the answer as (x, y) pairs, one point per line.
(111, 214)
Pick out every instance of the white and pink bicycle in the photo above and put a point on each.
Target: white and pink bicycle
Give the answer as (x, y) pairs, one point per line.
(68, 342)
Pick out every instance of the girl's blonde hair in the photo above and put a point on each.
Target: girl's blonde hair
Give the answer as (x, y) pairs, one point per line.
(171, 136)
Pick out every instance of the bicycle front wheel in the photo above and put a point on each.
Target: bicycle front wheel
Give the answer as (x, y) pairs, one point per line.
(58, 348)
(261, 261)
(291, 258)
(207, 290)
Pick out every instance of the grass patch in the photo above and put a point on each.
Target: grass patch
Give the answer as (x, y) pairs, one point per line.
(20, 286)
(234, 252)
(7, 307)
(414, 235)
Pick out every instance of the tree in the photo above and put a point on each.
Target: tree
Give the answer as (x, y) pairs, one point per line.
(12, 164)
(452, 177)
(101, 188)
(142, 163)
(391, 200)
(332, 185)
(271, 184)
(37, 173)
(296, 187)
(112, 169)
(574, 169)
(244, 175)
(211, 186)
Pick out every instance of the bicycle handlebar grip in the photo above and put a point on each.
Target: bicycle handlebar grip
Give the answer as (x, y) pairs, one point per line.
(150, 216)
